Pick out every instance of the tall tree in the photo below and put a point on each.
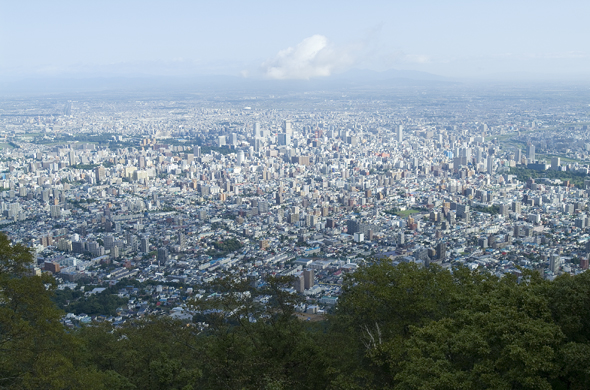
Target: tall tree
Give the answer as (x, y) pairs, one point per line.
(35, 350)
(503, 339)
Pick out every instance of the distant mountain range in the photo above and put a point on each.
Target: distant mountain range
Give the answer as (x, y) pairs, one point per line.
(360, 75)
(351, 79)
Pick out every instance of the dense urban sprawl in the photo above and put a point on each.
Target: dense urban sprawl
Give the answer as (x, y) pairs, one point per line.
(151, 200)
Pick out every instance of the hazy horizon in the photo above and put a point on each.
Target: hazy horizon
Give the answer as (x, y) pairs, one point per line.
(307, 40)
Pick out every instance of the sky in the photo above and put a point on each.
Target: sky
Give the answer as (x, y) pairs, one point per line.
(293, 40)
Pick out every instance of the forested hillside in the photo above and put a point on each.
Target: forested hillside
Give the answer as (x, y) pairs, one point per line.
(399, 327)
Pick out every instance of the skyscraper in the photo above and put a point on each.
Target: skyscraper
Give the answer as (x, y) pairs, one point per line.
(162, 255)
(308, 278)
(257, 129)
(100, 174)
(284, 139)
(518, 156)
(490, 164)
(466, 153)
(109, 241)
(441, 250)
(478, 155)
(554, 263)
(280, 197)
(299, 283)
(400, 133)
(287, 129)
(530, 152)
(55, 211)
(145, 245)
(258, 144)
(220, 140)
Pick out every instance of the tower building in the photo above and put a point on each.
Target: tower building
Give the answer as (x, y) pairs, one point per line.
(399, 133)
(530, 152)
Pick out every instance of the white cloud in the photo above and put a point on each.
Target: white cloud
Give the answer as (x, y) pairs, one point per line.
(416, 58)
(312, 57)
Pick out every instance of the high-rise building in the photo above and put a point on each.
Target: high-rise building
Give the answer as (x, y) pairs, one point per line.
(354, 226)
(55, 211)
(263, 207)
(555, 163)
(287, 129)
(240, 158)
(78, 247)
(491, 164)
(258, 144)
(279, 197)
(530, 152)
(109, 242)
(100, 174)
(284, 139)
(554, 263)
(299, 283)
(504, 209)
(308, 278)
(221, 140)
(478, 155)
(516, 207)
(462, 210)
(401, 239)
(145, 245)
(465, 153)
(441, 250)
(95, 249)
(257, 129)
(162, 255)
(399, 133)
(518, 156)
(580, 222)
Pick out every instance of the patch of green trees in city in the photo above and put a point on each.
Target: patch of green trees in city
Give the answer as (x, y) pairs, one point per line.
(105, 302)
(575, 178)
(493, 210)
(222, 248)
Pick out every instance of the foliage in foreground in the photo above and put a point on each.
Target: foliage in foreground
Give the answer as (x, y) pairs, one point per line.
(398, 327)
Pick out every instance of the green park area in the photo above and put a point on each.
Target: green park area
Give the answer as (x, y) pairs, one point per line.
(575, 178)
(404, 213)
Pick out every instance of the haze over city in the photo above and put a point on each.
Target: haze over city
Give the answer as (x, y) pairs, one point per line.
(465, 40)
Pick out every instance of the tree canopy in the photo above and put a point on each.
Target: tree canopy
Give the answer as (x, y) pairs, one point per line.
(395, 327)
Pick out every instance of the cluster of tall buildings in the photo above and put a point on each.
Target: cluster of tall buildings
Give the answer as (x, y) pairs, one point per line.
(309, 195)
